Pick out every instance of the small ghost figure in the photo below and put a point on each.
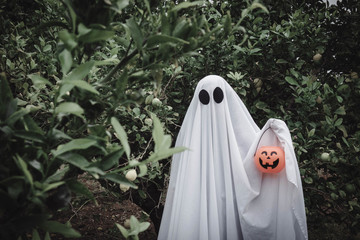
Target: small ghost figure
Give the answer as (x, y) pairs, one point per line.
(273, 207)
(203, 197)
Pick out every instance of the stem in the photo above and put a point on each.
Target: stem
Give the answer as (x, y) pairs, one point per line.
(126, 59)
(120, 65)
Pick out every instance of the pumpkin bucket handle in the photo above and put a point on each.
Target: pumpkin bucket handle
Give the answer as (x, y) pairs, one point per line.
(257, 146)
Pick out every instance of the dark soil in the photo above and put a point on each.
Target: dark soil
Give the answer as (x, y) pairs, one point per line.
(97, 220)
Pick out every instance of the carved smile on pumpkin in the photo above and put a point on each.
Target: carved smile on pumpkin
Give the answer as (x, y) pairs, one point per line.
(268, 160)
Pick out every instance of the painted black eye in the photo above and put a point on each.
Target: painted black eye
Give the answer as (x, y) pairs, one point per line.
(204, 97)
(218, 95)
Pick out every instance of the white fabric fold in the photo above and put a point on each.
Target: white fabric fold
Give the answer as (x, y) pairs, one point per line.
(273, 207)
(201, 199)
(215, 190)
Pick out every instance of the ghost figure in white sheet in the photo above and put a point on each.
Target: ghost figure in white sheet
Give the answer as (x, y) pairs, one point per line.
(273, 207)
(202, 198)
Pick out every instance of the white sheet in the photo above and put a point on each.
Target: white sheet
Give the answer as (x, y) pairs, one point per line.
(215, 191)
(273, 208)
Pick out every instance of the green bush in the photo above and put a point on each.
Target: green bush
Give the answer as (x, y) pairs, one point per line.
(83, 87)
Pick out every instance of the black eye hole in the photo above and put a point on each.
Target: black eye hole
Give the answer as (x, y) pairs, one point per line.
(264, 152)
(204, 97)
(272, 153)
(218, 95)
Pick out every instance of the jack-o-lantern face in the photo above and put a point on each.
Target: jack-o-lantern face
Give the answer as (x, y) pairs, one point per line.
(270, 159)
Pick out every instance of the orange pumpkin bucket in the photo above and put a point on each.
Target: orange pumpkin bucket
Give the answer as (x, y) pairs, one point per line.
(270, 159)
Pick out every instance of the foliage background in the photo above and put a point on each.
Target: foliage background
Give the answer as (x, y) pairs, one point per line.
(71, 71)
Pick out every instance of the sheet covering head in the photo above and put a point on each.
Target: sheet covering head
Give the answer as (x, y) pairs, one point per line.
(218, 131)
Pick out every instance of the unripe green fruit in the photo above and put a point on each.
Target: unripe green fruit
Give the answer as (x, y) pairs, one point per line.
(325, 156)
(156, 102)
(131, 175)
(319, 100)
(123, 187)
(317, 57)
(127, 223)
(148, 121)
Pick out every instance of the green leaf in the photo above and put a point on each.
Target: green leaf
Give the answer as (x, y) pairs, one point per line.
(136, 33)
(165, 25)
(137, 227)
(68, 39)
(79, 188)
(72, 13)
(29, 135)
(23, 167)
(255, 5)
(57, 134)
(119, 5)
(181, 28)
(31, 124)
(328, 120)
(47, 236)
(56, 227)
(121, 135)
(144, 226)
(75, 159)
(123, 230)
(35, 235)
(291, 81)
(255, 50)
(82, 29)
(261, 105)
(6, 98)
(340, 111)
(281, 61)
(184, 5)
(107, 62)
(121, 83)
(69, 108)
(343, 129)
(147, 4)
(111, 159)
(165, 153)
(143, 170)
(58, 175)
(116, 178)
(5, 91)
(39, 81)
(48, 187)
(80, 72)
(158, 131)
(66, 61)
(96, 35)
(311, 132)
(76, 144)
(338, 122)
(81, 84)
(308, 180)
(158, 39)
(17, 115)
